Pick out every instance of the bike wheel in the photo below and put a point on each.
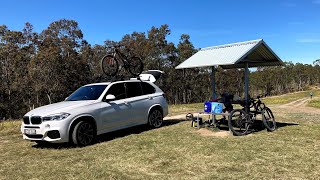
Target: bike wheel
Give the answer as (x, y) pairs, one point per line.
(135, 66)
(238, 122)
(109, 65)
(261, 107)
(268, 119)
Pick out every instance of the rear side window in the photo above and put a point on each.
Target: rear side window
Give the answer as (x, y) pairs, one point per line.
(133, 89)
(118, 90)
(147, 88)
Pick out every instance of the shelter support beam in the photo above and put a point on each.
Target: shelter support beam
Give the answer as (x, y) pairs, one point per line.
(246, 83)
(214, 95)
(213, 82)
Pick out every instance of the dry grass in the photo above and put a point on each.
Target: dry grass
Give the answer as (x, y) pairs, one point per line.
(286, 98)
(185, 108)
(314, 103)
(174, 151)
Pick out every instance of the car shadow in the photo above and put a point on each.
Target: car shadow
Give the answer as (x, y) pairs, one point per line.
(133, 130)
(110, 136)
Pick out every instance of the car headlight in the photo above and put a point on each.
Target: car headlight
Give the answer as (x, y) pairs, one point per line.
(56, 117)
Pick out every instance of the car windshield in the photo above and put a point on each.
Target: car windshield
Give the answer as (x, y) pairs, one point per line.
(92, 92)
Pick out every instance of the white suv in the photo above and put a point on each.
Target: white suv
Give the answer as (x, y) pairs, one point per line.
(96, 109)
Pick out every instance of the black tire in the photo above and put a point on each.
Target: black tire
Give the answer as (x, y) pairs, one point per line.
(135, 66)
(83, 134)
(189, 117)
(109, 65)
(155, 118)
(268, 119)
(238, 123)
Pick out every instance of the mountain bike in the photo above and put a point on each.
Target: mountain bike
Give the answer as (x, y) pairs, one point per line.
(241, 121)
(115, 61)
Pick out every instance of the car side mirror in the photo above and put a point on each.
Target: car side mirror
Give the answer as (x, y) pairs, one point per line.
(110, 97)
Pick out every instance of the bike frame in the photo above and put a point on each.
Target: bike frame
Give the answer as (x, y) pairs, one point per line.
(251, 114)
(122, 57)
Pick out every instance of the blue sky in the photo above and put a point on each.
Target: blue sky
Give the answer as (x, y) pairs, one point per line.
(290, 27)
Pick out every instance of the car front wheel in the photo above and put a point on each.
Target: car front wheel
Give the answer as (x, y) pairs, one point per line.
(83, 134)
(155, 118)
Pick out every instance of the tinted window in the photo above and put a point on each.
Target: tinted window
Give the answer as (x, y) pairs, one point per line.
(147, 88)
(118, 90)
(87, 93)
(133, 89)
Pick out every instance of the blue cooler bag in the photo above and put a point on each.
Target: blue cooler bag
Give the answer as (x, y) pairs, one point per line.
(216, 107)
(207, 107)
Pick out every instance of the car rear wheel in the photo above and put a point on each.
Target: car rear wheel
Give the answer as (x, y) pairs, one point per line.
(83, 134)
(155, 118)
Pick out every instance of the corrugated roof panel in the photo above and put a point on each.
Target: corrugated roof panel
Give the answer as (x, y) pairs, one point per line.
(235, 55)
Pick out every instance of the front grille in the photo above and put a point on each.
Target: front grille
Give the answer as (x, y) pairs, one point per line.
(35, 136)
(36, 120)
(26, 120)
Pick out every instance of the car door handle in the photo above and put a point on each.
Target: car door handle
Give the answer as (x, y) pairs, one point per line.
(150, 98)
(126, 103)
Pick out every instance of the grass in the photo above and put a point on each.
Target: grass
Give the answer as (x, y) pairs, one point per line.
(314, 103)
(175, 151)
(9, 127)
(185, 108)
(287, 98)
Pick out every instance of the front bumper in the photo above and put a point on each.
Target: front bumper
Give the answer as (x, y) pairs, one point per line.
(42, 130)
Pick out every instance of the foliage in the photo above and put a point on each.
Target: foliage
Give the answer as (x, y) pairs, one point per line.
(42, 68)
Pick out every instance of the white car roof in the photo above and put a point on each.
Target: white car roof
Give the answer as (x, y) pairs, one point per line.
(107, 83)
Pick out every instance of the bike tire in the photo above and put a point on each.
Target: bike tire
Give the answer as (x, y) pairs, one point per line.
(135, 66)
(238, 123)
(268, 119)
(109, 65)
(261, 107)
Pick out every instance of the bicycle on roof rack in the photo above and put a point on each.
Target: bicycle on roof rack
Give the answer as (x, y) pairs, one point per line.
(112, 63)
(241, 121)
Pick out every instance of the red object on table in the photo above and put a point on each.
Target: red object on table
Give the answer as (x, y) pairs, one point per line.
(214, 100)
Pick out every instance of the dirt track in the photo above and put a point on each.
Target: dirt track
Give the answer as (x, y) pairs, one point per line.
(299, 105)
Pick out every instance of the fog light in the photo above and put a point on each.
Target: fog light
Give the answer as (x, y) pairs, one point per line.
(54, 134)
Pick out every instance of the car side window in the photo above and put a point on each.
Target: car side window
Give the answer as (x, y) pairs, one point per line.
(147, 88)
(118, 90)
(133, 89)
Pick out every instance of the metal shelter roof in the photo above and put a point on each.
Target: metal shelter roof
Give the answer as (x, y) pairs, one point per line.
(256, 53)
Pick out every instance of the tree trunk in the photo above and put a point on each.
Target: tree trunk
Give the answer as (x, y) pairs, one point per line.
(49, 98)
